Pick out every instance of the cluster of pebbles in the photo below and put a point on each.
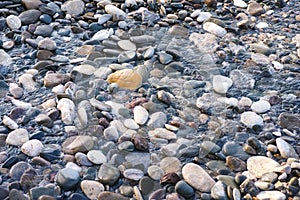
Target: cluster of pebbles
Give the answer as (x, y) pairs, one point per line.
(131, 99)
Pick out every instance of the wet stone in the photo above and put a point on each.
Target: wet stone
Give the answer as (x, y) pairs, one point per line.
(183, 189)
(29, 16)
(108, 174)
(91, 188)
(259, 165)
(13, 22)
(17, 137)
(43, 30)
(286, 150)
(133, 174)
(32, 148)
(197, 177)
(18, 169)
(234, 149)
(67, 178)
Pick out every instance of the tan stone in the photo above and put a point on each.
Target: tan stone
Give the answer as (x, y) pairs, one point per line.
(85, 50)
(126, 79)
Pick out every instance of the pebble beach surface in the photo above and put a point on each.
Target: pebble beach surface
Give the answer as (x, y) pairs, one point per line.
(149, 99)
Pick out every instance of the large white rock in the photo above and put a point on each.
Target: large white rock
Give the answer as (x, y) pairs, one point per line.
(261, 106)
(197, 177)
(286, 150)
(240, 3)
(214, 29)
(140, 115)
(67, 109)
(32, 148)
(251, 119)
(103, 34)
(17, 137)
(259, 165)
(117, 13)
(270, 195)
(221, 84)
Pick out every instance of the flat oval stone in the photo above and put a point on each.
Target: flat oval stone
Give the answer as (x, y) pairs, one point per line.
(184, 189)
(67, 178)
(261, 106)
(13, 22)
(214, 29)
(127, 45)
(108, 174)
(170, 165)
(140, 115)
(111, 196)
(91, 189)
(133, 174)
(74, 144)
(18, 169)
(32, 148)
(286, 150)
(259, 165)
(96, 157)
(17, 137)
(126, 79)
(271, 195)
(251, 119)
(197, 177)
(155, 172)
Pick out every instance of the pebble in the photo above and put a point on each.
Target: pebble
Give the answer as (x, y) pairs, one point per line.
(157, 120)
(126, 79)
(271, 195)
(127, 45)
(240, 3)
(106, 195)
(38, 192)
(117, 13)
(131, 124)
(214, 29)
(91, 189)
(111, 134)
(255, 8)
(13, 22)
(96, 157)
(133, 174)
(140, 115)
(74, 144)
(251, 119)
(203, 16)
(67, 109)
(27, 82)
(155, 172)
(285, 149)
(43, 30)
(85, 69)
(218, 191)
(108, 174)
(259, 165)
(245, 102)
(170, 165)
(16, 91)
(67, 178)
(73, 7)
(183, 189)
(32, 148)
(18, 169)
(29, 16)
(5, 59)
(47, 44)
(231, 148)
(17, 137)
(197, 177)
(162, 133)
(11, 124)
(261, 106)
(102, 34)
(221, 84)
(289, 120)
(31, 4)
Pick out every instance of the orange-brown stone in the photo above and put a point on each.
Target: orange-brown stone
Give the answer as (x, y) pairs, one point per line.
(126, 79)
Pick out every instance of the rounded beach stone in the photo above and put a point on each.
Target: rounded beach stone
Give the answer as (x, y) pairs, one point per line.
(251, 119)
(197, 177)
(170, 165)
(81, 143)
(261, 106)
(96, 157)
(73, 7)
(108, 174)
(286, 150)
(140, 115)
(221, 84)
(155, 172)
(91, 189)
(32, 148)
(13, 22)
(126, 79)
(214, 29)
(17, 137)
(67, 178)
(259, 165)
